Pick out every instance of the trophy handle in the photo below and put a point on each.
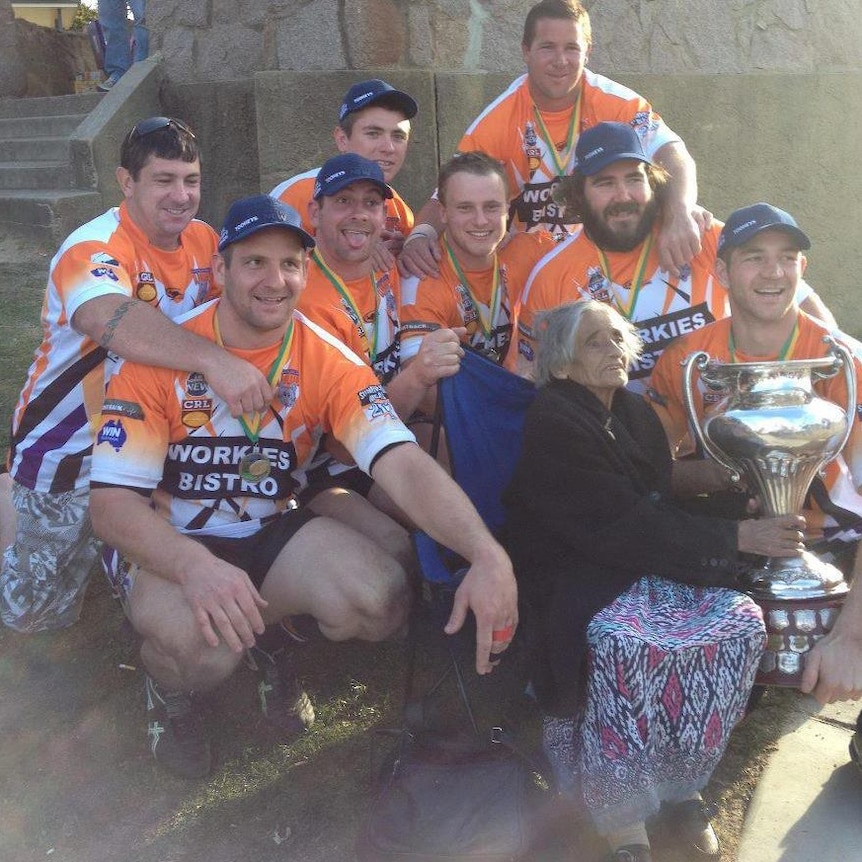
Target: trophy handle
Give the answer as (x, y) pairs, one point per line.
(845, 357)
(700, 360)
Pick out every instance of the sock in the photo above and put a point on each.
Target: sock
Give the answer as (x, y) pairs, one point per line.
(272, 640)
(634, 833)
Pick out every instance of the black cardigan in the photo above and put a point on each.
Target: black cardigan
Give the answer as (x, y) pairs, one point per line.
(589, 514)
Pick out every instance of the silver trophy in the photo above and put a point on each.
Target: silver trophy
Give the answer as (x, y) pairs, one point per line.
(772, 428)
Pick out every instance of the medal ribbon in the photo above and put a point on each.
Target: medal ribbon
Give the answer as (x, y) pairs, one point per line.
(786, 348)
(637, 282)
(252, 429)
(561, 161)
(338, 283)
(496, 294)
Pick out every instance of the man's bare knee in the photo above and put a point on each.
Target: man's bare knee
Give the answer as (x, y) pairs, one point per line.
(373, 610)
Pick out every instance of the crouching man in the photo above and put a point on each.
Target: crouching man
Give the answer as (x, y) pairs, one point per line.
(201, 505)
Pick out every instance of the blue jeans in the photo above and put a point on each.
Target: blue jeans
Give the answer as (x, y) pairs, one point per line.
(115, 26)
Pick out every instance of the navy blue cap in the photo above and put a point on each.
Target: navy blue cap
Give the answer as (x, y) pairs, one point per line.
(375, 91)
(606, 143)
(746, 222)
(347, 168)
(249, 215)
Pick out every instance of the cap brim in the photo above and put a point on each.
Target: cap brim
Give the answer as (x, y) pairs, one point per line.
(334, 188)
(304, 237)
(601, 163)
(798, 234)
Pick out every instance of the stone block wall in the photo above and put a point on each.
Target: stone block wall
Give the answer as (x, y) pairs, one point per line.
(206, 40)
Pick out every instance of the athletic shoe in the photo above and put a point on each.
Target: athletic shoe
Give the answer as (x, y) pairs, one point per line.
(282, 699)
(109, 82)
(177, 736)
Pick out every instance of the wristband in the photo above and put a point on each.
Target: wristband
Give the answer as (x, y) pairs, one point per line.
(426, 230)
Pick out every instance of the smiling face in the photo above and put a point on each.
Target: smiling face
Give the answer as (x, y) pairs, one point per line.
(347, 226)
(762, 276)
(163, 199)
(261, 278)
(474, 214)
(555, 61)
(620, 206)
(601, 363)
(379, 134)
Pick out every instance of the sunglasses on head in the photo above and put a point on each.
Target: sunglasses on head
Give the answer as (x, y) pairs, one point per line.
(154, 124)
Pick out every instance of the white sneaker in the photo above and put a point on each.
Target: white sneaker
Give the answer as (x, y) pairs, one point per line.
(109, 83)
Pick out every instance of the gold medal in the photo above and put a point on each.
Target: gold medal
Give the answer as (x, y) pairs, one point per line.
(254, 467)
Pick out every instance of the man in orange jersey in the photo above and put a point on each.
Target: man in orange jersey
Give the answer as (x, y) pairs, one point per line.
(761, 261)
(533, 128)
(616, 191)
(114, 287)
(374, 122)
(224, 549)
(361, 305)
(479, 280)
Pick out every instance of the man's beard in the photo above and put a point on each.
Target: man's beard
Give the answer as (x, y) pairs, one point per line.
(624, 239)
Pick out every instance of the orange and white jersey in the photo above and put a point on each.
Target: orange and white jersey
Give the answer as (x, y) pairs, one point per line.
(510, 131)
(297, 192)
(661, 306)
(53, 422)
(366, 316)
(167, 430)
(433, 302)
(843, 475)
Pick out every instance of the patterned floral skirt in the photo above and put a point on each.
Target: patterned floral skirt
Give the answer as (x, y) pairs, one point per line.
(671, 667)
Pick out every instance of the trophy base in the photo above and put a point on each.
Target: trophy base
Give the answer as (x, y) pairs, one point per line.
(792, 628)
(793, 579)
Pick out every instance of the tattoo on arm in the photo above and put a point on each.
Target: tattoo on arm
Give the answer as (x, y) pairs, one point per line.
(111, 325)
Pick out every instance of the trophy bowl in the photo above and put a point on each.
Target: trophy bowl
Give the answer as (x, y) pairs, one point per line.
(771, 427)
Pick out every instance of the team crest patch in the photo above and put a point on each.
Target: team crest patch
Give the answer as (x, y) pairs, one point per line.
(118, 407)
(468, 307)
(196, 411)
(196, 385)
(112, 433)
(202, 278)
(146, 289)
(287, 390)
(375, 403)
(645, 122)
(531, 148)
(597, 285)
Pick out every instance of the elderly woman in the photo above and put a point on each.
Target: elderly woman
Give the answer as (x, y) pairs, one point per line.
(642, 656)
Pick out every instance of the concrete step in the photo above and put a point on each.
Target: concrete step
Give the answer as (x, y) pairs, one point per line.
(36, 175)
(39, 127)
(46, 215)
(34, 150)
(46, 106)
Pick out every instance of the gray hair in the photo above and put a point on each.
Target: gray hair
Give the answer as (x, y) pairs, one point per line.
(557, 329)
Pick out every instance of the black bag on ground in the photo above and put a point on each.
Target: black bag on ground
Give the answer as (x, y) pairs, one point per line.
(453, 798)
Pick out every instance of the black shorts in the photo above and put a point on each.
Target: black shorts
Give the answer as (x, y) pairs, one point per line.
(255, 554)
(320, 479)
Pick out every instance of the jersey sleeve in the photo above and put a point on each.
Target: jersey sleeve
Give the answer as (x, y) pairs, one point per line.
(296, 192)
(133, 431)
(427, 305)
(665, 395)
(87, 270)
(352, 404)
